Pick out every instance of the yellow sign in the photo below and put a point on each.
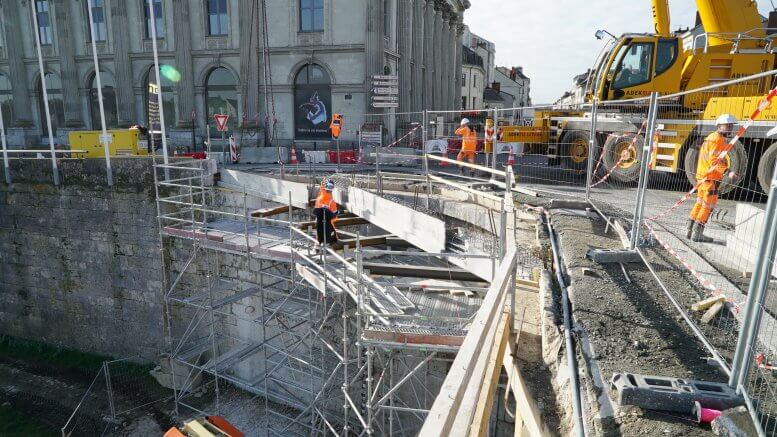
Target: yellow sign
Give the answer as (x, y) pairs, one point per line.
(524, 134)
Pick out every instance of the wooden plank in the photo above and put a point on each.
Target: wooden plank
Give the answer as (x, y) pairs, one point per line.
(466, 164)
(712, 312)
(415, 339)
(363, 241)
(707, 303)
(485, 403)
(525, 405)
(269, 212)
(527, 283)
(410, 271)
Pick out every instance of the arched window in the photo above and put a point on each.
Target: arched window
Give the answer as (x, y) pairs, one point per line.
(312, 102)
(6, 100)
(109, 101)
(168, 97)
(221, 97)
(56, 104)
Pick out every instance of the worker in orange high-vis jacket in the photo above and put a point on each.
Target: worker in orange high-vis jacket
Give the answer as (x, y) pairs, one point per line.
(710, 170)
(469, 143)
(325, 211)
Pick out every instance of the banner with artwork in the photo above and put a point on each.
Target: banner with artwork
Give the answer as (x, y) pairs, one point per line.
(312, 112)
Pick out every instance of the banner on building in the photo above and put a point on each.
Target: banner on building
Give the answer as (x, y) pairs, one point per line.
(312, 112)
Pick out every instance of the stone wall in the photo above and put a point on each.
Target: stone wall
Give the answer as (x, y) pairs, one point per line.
(80, 263)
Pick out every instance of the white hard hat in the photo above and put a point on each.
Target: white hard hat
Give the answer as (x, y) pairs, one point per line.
(726, 119)
(329, 186)
(464, 121)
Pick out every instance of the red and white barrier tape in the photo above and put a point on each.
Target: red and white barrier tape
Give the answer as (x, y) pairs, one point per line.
(762, 106)
(623, 158)
(601, 156)
(406, 135)
(706, 283)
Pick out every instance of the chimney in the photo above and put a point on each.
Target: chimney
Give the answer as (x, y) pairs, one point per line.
(496, 86)
(512, 73)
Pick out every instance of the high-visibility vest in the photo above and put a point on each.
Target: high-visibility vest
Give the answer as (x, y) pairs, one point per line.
(325, 200)
(469, 140)
(709, 152)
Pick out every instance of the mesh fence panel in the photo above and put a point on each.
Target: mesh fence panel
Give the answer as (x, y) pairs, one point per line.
(93, 414)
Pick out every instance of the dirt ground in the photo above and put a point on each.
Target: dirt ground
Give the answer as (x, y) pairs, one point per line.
(631, 327)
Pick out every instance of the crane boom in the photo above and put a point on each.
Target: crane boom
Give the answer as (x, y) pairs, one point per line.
(661, 17)
(730, 17)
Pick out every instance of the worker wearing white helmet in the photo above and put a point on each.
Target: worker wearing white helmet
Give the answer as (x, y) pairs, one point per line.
(712, 166)
(469, 143)
(326, 211)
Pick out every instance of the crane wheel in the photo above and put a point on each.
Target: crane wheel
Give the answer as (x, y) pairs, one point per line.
(766, 167)
(574, 149)
(621, 157)
(737, 162)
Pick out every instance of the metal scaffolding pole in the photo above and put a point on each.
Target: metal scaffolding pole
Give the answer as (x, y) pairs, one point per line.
(44, 89)
(105, 139)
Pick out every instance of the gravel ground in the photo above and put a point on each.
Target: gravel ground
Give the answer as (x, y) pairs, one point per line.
(632, 327)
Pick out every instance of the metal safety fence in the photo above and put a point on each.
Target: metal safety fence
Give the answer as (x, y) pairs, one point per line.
(120, 388)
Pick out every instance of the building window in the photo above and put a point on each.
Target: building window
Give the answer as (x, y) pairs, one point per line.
(44, 21)
(168, 97)
(312, 103)
(474, 102)
(6, 100)
(311, 15)
(56, 105)
(221, 97)
(98, 17)
(218, 20)
(109, 101)
(463, 79)
(158, 17)
(463, 102)
(475, 80)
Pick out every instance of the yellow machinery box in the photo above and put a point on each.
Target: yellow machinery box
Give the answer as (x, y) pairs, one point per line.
(123, 142)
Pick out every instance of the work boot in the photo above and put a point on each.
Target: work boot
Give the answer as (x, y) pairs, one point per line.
(462, 170)
(698, 234)
(689, 233)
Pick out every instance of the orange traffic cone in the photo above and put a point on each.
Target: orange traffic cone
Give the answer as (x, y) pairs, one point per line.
(293, 155)
(511, 157)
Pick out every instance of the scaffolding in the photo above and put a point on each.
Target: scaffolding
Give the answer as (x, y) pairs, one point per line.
(254, 306)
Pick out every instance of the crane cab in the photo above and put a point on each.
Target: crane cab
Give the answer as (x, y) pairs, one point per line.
(637, 65)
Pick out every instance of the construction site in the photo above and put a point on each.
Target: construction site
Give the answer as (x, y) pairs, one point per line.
(594, 267)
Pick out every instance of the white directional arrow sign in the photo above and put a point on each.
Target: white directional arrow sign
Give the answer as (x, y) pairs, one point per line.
(385, 77)
(380, 90)
(385, 104)
(385, 83)
(386, 98)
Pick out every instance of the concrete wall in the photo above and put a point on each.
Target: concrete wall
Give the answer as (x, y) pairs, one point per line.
(80, 264)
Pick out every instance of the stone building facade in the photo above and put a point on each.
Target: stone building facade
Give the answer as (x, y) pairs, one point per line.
(274, 65)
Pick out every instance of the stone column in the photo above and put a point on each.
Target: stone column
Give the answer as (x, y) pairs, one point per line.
(428, 73)
(459, 30)
(405, 35)
(67, 64)
(438, 65)
(447, 67)
(455, 74)
(374, 49)
(249, 59)
(183, 62)
(418, 55)
(122, 65)
(15, 14)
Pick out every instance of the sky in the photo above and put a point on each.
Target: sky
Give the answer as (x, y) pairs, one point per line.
(554, 39)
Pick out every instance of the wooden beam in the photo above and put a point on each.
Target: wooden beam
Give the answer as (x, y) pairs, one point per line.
(416, 339)
(712, 312)
(525, 405)
(269, 212)
(707, 303)
(364, 241)
(485, 403)
(408, 271)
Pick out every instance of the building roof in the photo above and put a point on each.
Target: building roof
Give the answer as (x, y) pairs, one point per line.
(469, 57)
(492, 95)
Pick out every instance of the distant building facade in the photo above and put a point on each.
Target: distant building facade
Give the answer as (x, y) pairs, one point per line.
(473, 79)
(485, 49)
(514, 82)
(320, 55)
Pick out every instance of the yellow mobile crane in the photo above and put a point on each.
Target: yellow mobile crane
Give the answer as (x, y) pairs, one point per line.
(735, 45)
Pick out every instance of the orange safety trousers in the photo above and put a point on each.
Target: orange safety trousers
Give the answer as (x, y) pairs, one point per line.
(469, 154)
(706, 199)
